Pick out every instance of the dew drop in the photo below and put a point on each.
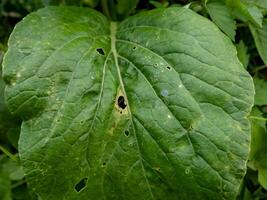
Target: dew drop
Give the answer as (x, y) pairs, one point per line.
(165, 93)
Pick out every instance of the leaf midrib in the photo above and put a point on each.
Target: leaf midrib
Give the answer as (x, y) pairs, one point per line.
(113, 30)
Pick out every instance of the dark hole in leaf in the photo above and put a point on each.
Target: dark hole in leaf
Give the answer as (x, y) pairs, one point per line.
(121, 102)
(126, 133)
(134, 48)
(81, 185)
(104, 164)
(168, 68)
(100, 51)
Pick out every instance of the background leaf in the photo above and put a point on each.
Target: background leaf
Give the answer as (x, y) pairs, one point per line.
(260, 38)
(245, 12)
(221, 16)
(242, 53)
(261, 91)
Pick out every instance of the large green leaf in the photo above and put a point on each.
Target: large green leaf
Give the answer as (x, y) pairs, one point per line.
(260, 38)
(152, 108)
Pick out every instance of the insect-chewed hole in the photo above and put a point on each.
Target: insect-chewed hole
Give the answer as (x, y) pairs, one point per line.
(121, 102)
(104, 164)
(134, 47)
(100, 51)
(81, 185)
(127, 133)
(168, 67)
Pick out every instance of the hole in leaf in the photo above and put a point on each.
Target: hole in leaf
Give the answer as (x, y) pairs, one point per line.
(134, 47)
(81, 184)
(168, 68)
(104, 164)
(121, 102)
(127, 133)
(100, 51)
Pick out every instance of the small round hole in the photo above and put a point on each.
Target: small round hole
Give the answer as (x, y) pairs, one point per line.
(81, 185)
(127, 133)
(168, 68)
(134, 47)
(121, 102)
(100, 51)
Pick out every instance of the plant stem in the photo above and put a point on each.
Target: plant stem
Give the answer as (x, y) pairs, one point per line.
(258, 118)
(242, 25)
(105, 9)
(10, 155)
(18, 184)
(259, 68)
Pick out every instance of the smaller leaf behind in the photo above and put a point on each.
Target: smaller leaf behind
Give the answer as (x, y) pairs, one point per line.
(260, 38)
(261, 92)
(222, 17)
(245, 12)
(242, 53)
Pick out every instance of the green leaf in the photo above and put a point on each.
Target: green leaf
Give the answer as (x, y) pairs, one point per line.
(258, 140)
(8, 124)
(245, 11)
(92, 3)
(152, 108)
(263, 177)
(221, 16)
(242, 54)
(256, 14)
(260, 38)
(157, 4)
(119, 9)
(260, 3)
(65, 2)
(261, 92)
(5, 183)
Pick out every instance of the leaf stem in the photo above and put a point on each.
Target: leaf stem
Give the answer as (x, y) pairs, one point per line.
(105, 9)
(7, 153)
(258, 118)
(18, 184)
(259, 68)
(241, 25)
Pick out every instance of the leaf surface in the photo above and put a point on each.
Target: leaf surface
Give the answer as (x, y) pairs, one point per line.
(152, 108)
